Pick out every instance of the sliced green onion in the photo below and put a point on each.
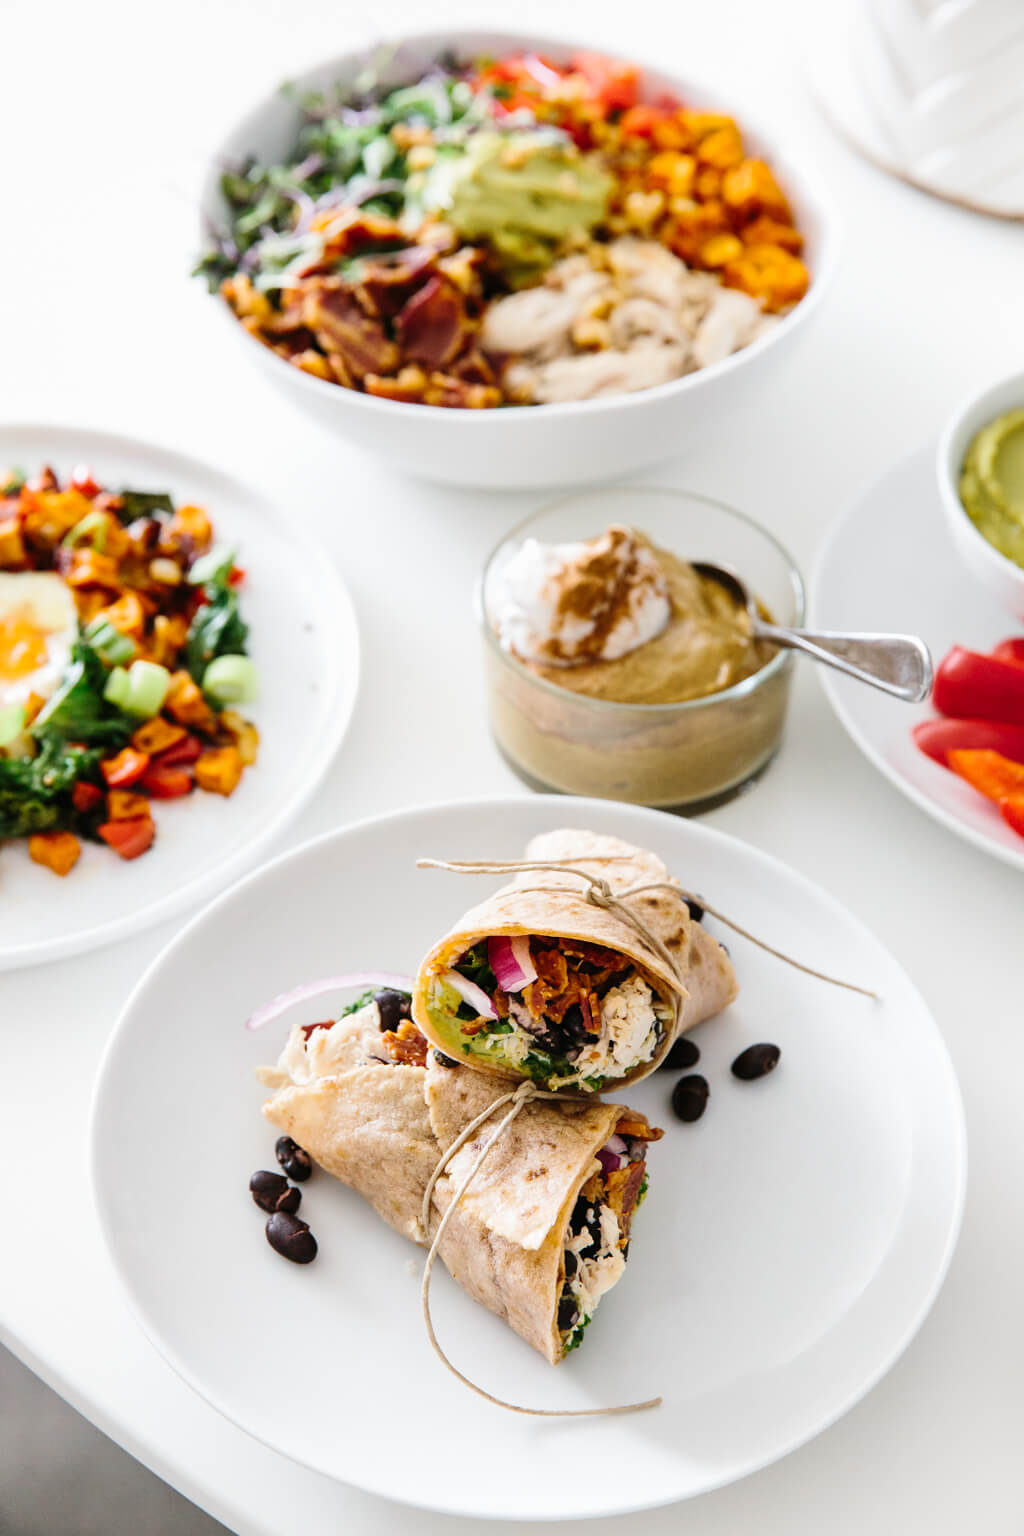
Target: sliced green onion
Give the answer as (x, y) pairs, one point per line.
(231, 680)
(12, 723)
(215, 565)
(148, 683)
(108, 642)
(118, 688)
(92, 529)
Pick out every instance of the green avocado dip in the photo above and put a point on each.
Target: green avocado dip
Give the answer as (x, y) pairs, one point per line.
(992, 484)
(525, 193)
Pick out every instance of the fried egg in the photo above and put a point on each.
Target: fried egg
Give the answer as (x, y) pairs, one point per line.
(38, 625)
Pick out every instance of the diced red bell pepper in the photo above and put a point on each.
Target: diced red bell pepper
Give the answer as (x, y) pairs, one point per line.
(83, 480)
(86, 797)
(185, 751)
(1012, 811)
(129, 839)
(125, 769)
(237, 576)
(612, 83)
(990, 773)
(166, 783)
(1011, 650)
(937, 738)
(969, 685)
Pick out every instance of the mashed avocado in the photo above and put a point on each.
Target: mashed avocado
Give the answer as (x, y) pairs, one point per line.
(524, 193)
(992, 484)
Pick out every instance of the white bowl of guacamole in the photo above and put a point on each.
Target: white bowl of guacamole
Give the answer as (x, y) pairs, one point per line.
(980, 470)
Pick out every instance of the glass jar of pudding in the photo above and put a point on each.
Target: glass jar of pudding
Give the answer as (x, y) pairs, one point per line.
(557, 726)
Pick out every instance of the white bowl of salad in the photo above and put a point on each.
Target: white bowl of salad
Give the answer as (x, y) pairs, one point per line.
(509, 262)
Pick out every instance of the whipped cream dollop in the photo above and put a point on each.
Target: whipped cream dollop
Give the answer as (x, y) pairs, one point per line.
(564, 604)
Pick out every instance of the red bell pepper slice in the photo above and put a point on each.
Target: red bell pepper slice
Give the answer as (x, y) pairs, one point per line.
(937, 738)
(994, 776)
(969, 685)
(1012, 811)
(1011, 650)
(86, 797)
(125, 769)
(185, 751)
(164, 782)
(131, 838)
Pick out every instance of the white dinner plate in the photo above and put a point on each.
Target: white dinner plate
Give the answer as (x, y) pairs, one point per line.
(792, 1242)
(305, 643)
(889, 564)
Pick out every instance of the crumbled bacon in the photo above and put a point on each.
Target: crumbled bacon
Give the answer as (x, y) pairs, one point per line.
(388, 280)
(406, 1045)
(342, 327)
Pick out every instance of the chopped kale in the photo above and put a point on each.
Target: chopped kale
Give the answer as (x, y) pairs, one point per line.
(360, 1002)
(76, 710)
(35, 793)
(217, 629)
(575, 1338)
(143, 504)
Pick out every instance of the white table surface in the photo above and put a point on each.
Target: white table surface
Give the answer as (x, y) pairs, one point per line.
(102, 110)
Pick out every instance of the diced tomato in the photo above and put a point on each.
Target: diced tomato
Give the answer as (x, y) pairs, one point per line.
(641, 120)
(613, 83)
(969, 685)
(86, 797)
(166, 783)
(83, 480)
(129, 839)
(937, 738)
(186, 750)
(990, 773)
(237, 576)
(1011, 650)
(1012, 811)
(125, 769)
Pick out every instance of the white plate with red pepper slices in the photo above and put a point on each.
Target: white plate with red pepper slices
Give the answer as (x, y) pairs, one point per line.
(970, 637)
(177, 668)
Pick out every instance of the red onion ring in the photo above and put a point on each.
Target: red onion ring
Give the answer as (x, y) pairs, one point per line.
(310, 989)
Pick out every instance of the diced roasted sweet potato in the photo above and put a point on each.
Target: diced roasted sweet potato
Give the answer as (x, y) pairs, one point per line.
(243, 734)
(12, 545)
(123, 805)
(189, 523)
(127, 615)
(59, 851)
(750, 188)
(157, 735)
(185, 703)
(769, 273)
(219, 770)
(88, 568)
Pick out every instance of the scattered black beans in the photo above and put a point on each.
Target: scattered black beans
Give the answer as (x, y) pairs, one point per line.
(568, 1312)
(695, 909)
(394, 1007)
(291, 1238)
(690, 1097)
(271, 1192)
(683, 1054)
(297, 1164)
(443, 1060)
(571, 1263)
(756, 1061)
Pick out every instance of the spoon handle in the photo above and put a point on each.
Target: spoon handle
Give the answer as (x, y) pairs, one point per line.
(900, 665)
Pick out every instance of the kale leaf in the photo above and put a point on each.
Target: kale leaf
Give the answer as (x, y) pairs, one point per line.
(143, 504)
(217, 629)
(360, 1002)
(77, 710)
(35, 793)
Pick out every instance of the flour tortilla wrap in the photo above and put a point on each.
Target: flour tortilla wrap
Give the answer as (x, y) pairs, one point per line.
(548, 904)
(381, 1126)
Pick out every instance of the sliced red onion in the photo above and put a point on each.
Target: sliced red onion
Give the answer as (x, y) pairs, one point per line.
(470, 993)
(616, 1144)
(310, 989)
(610, 1161)
(511, 963)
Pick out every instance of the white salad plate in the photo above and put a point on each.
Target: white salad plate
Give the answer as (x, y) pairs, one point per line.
(791, 1245)
(304, 641)
(871, 576)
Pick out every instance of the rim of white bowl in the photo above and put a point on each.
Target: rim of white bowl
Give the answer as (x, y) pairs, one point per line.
(794, 175)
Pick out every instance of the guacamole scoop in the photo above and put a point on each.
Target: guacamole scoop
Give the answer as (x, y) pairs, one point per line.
(992, 484)
(523, 193)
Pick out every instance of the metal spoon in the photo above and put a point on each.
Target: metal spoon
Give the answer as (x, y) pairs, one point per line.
(900, 665)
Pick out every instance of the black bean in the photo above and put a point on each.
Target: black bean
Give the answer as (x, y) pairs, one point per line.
(695, 909)
(683, 1054)
(568, 1312)
(571, 1264)
(756, 1061)
(297, 1164)
(394, 1007)
(443, 1060)
(690, 1097)
(273, 1193)
(291, 1238)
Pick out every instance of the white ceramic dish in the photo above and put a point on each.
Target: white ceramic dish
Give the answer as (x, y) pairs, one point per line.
(520, 446)
(791, 1245)
(851, 587)
(998, 575)
(305, 643)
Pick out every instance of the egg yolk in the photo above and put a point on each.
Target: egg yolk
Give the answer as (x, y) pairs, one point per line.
(22, 644)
